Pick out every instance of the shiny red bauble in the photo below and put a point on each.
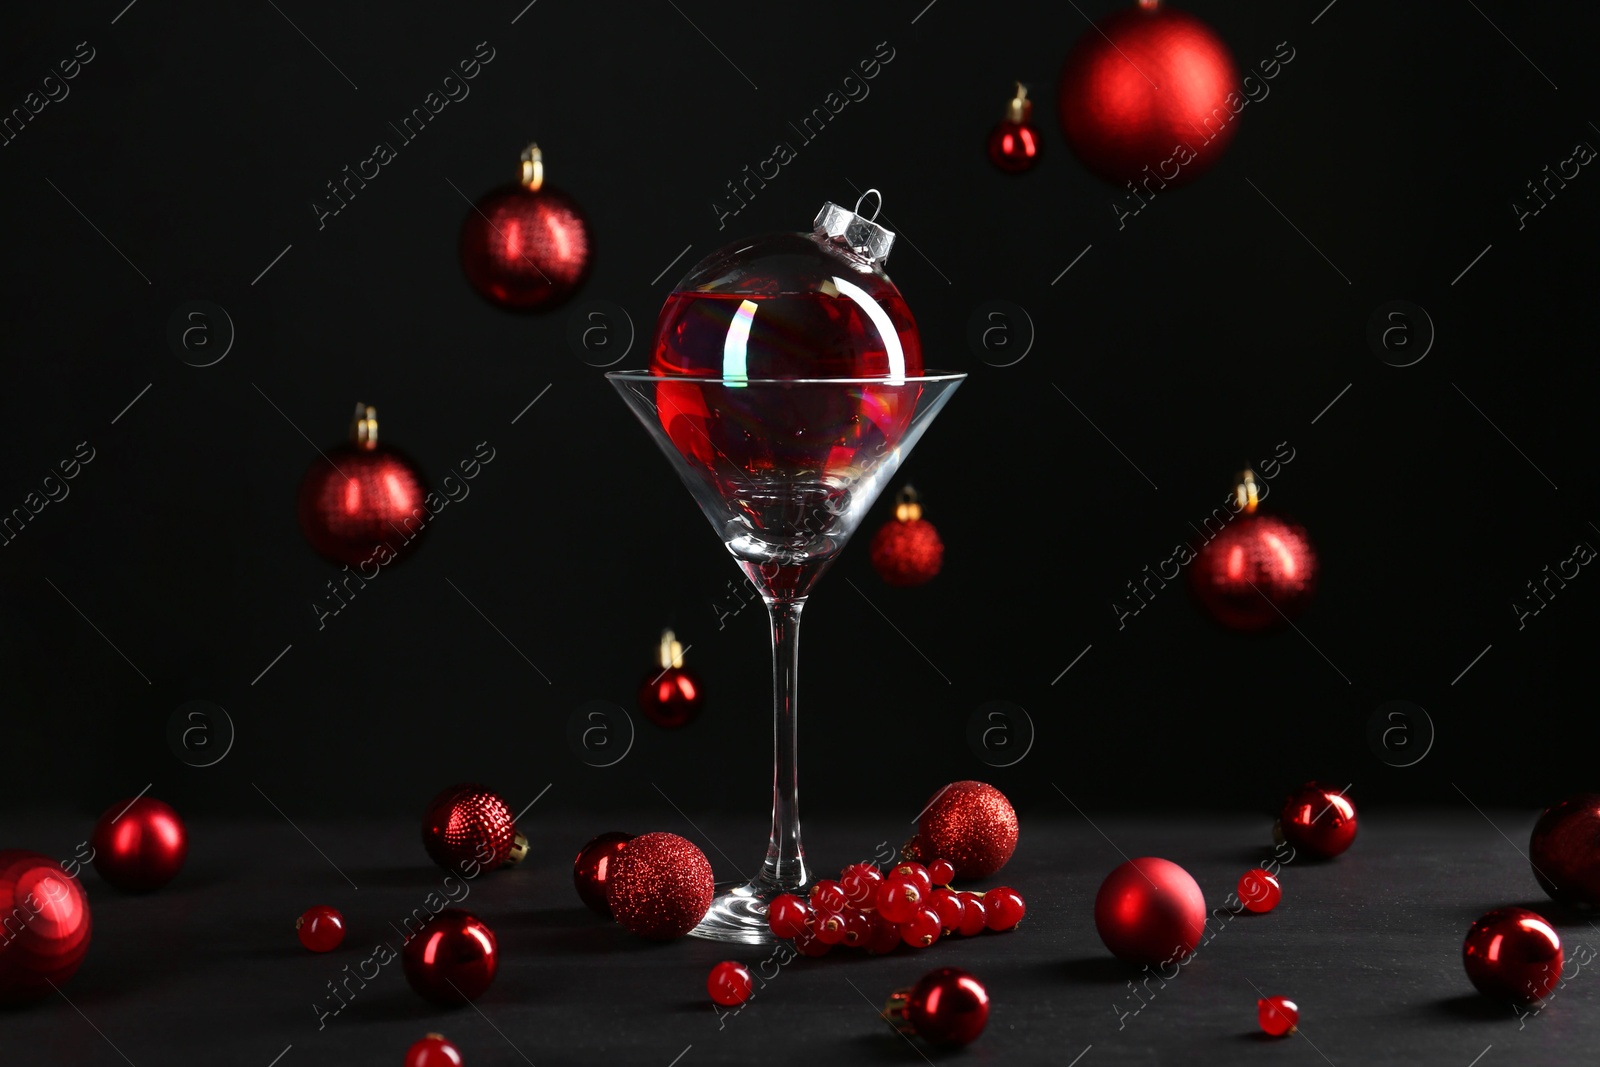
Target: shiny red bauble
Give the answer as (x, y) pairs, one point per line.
(670, 695)
(660, 886)
(1317, 819)
(1149, 87)
(45, 930)
(468, 829)
(947, 1006)
(592, 869)
(729, 983)
(453, 955)
(1565, 851)
(433, 1051)
(526, 247)
(361, 504)
(1014, 143)
(1258, 573)
(971, 826)
(1259, 890)
(139, 845)
(1150, 911)
(1513, 954)
(1278, 1016)
(321, 928)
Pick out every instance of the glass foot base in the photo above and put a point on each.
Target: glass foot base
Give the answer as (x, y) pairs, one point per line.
(739, 915)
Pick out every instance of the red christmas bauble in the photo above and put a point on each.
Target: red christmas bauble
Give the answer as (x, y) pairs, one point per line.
(468, 829)
(139, 846)
(1565, 851)
(453, 955)
(433, 1051)
(1014, 142)
(1257, 573)
(321, 928)
(947, 1006)
(526, 247)
(45, 933)
(660, 886)
(1150, 911)
(907, 551)
(1144, 95)
(971, 826)
(1318, 819)
(670, 695)
(1513, 954)
(362, 503)
(591, 870)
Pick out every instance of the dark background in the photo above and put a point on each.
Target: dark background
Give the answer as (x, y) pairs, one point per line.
(1197, 338)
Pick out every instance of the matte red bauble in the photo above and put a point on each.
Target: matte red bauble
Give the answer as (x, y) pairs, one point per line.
(1317, 819)
(361, 503)
(947, 1006)
(660, 886)
(46, 925)
(971, 826)
(452, 956)
(670, 696)
(1259, 572)
(907, 551)
(139, 846)
(1150, 911)
(433, 1051)
(1565, 851)
(1014, 142)
(1147, 87)
(1513, 954)
(592, 869)
(526, 247)
(468, 829)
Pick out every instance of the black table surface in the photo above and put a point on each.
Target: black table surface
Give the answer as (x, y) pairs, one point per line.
(209, 970)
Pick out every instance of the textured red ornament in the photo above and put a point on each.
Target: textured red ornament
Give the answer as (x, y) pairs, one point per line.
(970, 825)
(907, 551)
(526, 247)
(433, 1051)
(1258, 572)
(46, 925)
(452, 956)
(660, 886)
(591, 870)
(1278, 1016)
(947, 1006)
(361, 503)
(1513, 954)
(321, 928)
(1150, 911)
(1014, 142)
(1565, 851)
(139, 845)
(670, 695)
(468, 828)
(1318, 819)
(1143, 97)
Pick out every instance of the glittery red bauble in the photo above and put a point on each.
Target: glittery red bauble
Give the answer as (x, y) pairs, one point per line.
(453, 955)
(1257, 574)
(592, 870)
(1150, 911)
(1565, 851)
(970, 825)
(1149, 87)
(139, 846)
(1318, 819)
(362, 505)
(948, 1007)
(45, 930)
(1513, 954)
(433, 1051)
(660, 886)
(468, 829)
(525, 250)
(906, 553)
(671, 697)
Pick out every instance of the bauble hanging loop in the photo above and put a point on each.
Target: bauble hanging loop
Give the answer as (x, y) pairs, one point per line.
(526, 247)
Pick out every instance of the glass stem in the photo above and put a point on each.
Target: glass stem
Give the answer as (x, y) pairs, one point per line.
(785, 865)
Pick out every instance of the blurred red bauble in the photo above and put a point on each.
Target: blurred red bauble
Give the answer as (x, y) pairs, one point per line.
(1317, 819)
(947, 1006)
(453, 955)
(1150, 911)
(1565, 851)
(46, 925)
(526, 247)
(468, 829)
(361, 503)
(1513, 954)
(971, 826)
(1147, 87)
(139, 846)
(591, 870)
(660, 886)
(907, 551)
(1259, 572)
(1014, 142)
(670, 696)
(433, 1051)
(321, 928)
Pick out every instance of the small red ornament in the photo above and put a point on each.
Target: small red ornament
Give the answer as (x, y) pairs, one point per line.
(45, 931)
(1259, 572)
(1513, 954)
(1565, 851)
(1144, 95)
(591, 870)
(321, 928)
(139, 845)
(362, 502)
(469, 828)
(729, 983)
(1317, 819)
(907, 551)
(947, 1006)
(660, 886)
(433, 1051)
(1003, 908)
(1150, 911)
(1259, 891)
(525, 247)
(453, 955)
(670, 695)
(1278, 1016)
(1014, 141)
(971, 826)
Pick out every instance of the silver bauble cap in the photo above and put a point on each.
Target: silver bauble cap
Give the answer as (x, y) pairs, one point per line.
(864, 236)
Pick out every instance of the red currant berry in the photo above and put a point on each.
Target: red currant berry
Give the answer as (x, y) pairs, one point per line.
(857, 928)
(884, 938)
(949, 907)
(915, 872)
(1003, 907)
(1278, 1016)
(860, 882)
(787, 916)
(807, 943)
(974, 920)
(942, 872)
(828, 895)
(898, 899)
(1259, 890)
(829, 926)
(433, 1051)
(321, 929)
(729, 983)
(922, 929)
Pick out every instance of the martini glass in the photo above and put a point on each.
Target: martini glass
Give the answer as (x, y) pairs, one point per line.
(785, 469)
